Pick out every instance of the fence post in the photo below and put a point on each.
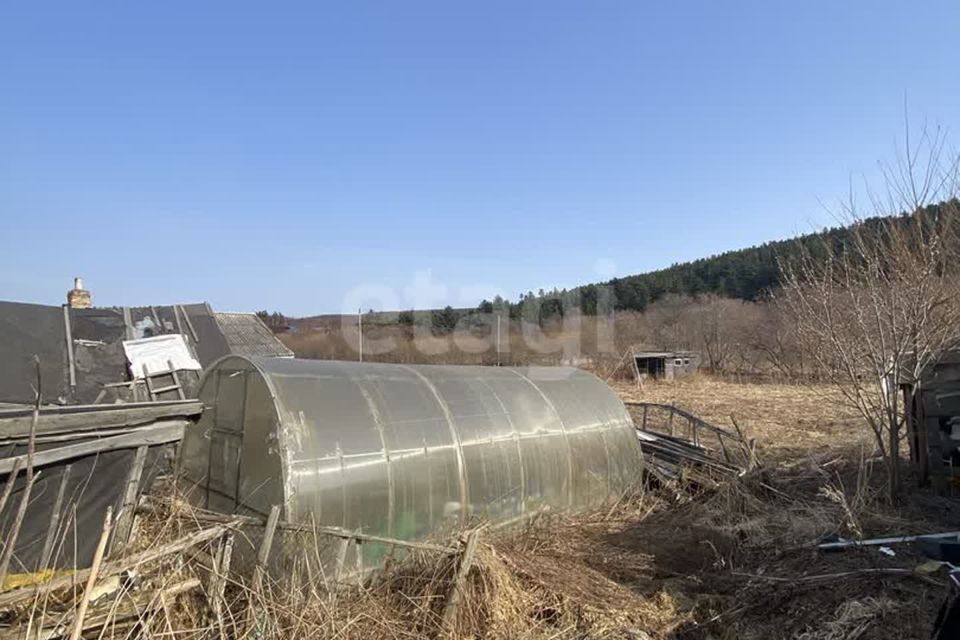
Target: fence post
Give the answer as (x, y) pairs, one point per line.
(92, 578)
(358, 545)
(128, 505)
(338, 570)
(218, 581)
(459, 582)
(263, 555)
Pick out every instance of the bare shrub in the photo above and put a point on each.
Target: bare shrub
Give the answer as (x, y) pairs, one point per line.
(879, 307)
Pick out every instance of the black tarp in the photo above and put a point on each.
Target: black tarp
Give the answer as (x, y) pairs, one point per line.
(95, 481)
(98, 351)
(211, 344)
(27, 330)
(98, 334)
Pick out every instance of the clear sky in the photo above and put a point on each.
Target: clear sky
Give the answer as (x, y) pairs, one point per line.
(312, 156)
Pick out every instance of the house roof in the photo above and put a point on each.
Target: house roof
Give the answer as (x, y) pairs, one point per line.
(97, 336)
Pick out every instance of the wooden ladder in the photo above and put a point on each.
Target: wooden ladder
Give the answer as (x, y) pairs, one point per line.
(154, 391)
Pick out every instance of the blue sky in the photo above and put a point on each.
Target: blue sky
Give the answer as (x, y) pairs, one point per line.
(310, 157)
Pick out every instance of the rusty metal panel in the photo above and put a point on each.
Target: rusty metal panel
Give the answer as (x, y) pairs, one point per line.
(408, 450)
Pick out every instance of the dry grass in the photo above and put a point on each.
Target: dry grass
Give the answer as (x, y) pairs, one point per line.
(786, 419)
(733, 561)
(530, 585)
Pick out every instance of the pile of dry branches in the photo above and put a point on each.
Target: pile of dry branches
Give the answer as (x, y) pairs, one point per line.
(549, 576)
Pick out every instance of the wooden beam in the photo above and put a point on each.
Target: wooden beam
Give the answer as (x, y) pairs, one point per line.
(176, 380)
(30, 461)
(92, 577)
(701, 423)
(15, 423)
(146, 381)
(68, 331)
(459, 582)
(128, 506)
(10, 544)
(219, 578)
(263, 554)
(186, 317)
(176, 317)
(336, 532)
(341, 559)
(160, 433)
(114, 567)
(358, 546)
(342, 549)
(55, 515)
(263, 557)
(128, 324)
(68, 437)
(133, 612)
(8, 487)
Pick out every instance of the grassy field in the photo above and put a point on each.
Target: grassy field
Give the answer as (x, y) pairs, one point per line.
(786, 419)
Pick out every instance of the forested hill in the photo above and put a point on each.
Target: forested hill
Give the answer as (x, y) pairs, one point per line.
(745, 273)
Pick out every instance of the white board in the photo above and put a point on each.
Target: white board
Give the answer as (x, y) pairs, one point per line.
(157, 353)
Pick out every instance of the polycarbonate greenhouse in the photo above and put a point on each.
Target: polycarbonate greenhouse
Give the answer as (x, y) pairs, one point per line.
(404, 451)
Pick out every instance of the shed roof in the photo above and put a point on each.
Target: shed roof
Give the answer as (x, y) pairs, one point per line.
(662, 354)
(247, 335)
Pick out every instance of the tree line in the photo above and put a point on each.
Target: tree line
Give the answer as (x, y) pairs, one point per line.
(751, 274)
(743, 274)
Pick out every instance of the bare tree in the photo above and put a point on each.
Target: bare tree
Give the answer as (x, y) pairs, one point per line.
(720, 329)
(774, 341)
(668, 322)
(879, 304)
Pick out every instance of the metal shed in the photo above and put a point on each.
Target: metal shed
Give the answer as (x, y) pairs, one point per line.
(404, 451)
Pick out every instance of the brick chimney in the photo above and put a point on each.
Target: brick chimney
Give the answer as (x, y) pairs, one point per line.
(78, 297)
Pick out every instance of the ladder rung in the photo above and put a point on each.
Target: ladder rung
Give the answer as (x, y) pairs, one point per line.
(172, 387)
